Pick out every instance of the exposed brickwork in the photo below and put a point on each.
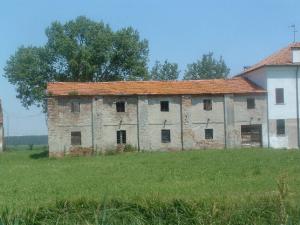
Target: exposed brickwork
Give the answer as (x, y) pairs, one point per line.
(98, 122)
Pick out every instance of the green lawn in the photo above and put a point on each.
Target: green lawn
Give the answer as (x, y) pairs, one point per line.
(29, 179)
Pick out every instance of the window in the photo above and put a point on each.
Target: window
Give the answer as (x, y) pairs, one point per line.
(207, 104)
(250, 103)
(120, 106)
(280, 125)
(209, 134)
(75, 107)
(76, 138)
(121, 137)
(165, 136)
(164, 106)
(279, 95)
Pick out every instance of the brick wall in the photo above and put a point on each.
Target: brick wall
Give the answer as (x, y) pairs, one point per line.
(98, 122)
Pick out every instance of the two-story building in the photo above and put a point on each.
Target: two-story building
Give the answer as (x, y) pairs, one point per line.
(156, 115)
(279, 74)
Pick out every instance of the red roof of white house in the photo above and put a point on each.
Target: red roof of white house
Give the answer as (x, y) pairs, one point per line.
(212, 87)
(283, 57)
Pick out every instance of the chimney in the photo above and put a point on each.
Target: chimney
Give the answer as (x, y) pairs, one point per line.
(296, 54)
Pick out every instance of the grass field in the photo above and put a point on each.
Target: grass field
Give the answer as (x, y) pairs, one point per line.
(29, 178)
(183, 188)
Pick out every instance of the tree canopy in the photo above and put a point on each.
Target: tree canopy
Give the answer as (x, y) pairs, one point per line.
(79, 50)
(207, 68)
(165, 71)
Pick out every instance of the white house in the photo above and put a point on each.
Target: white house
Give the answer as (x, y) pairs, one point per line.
(279, 74)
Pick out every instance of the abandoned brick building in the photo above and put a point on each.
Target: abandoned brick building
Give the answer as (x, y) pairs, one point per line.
(156, 115)
(1, 129)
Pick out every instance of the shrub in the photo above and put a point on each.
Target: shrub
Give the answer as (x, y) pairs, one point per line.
(129, 148)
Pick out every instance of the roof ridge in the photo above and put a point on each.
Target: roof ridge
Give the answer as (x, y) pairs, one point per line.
(213, 86)
(279, 57)
(134, 81)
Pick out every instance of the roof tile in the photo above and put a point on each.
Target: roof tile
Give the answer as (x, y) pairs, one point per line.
(215, 86)
(281, 57)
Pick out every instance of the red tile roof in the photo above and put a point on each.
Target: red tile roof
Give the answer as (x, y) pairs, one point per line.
(282, 57)
(216, 86)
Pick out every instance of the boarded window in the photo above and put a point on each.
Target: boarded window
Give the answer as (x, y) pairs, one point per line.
(251, 135)
(121, 137)
(209, 134)
(165, 136)
(207, 104)
(279, 95)
(280, 125)
(75, 107)
(120, 106)
(76, 138)
(164, 106)
(250, 103)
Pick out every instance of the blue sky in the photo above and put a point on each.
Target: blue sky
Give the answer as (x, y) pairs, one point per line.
(243, 32)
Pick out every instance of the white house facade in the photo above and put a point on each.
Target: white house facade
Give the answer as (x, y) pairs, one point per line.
(279, 74)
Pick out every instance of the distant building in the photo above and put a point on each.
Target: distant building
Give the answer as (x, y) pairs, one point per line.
(279, 74)
(156, 115)
(1, 129)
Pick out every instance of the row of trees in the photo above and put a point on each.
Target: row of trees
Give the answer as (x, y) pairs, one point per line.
(85, 50)
(205, 68)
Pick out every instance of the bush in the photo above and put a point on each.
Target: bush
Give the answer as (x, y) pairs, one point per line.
(30, 146)
(129, 148)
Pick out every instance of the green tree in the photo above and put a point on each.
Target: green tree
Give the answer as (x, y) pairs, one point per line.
(79, 50)
(165, 71)
(207, 68)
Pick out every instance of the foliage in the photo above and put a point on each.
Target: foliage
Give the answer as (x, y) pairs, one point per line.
(27, 140)
(207, 68)
(130, 148)
(165, 71)
(79, 50)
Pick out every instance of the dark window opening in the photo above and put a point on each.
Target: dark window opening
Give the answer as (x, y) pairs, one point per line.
(165, 136)
(121, 137)
(120, 106)
(207, 104)
(75, 107)
(280, 126)
(164, 106)
(76, 138)
(251, 135)
(250, 103)
(279, 95)
(209, 134)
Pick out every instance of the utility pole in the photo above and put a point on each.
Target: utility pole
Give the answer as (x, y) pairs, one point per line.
(293, 26)
(7, 125)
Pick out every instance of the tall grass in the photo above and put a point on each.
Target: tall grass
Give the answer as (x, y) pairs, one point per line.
(266, 210)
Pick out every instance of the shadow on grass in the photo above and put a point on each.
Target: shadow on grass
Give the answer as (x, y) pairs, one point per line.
(40, 155)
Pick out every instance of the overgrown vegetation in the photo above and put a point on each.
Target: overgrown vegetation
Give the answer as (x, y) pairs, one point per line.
(265, 210)
(192, 187)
